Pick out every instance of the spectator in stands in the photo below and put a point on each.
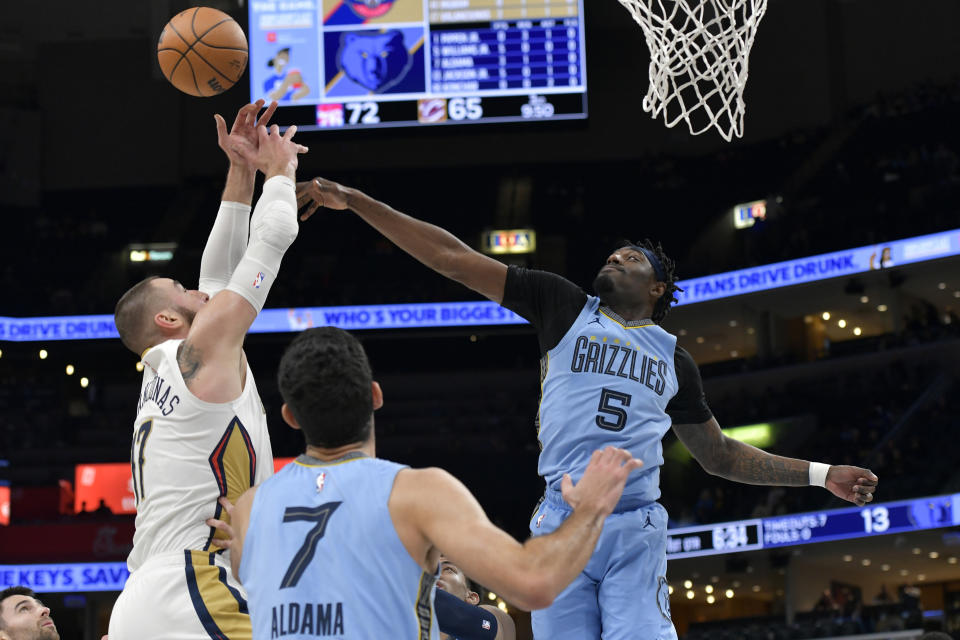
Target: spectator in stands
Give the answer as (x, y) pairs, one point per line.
(24, 617)
(102, 509)
(883, 597)
(826, 602)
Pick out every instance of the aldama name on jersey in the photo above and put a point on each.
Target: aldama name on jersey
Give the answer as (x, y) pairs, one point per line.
(158, 392)
(620, 361)
(308, 618)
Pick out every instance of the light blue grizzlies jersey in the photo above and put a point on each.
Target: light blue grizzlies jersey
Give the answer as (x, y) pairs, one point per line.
(321, 557)
(607, 382)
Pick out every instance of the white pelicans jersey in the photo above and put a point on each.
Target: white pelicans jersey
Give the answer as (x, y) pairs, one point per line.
(186, 453)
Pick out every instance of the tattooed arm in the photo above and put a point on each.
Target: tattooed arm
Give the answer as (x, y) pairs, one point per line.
(723, 456)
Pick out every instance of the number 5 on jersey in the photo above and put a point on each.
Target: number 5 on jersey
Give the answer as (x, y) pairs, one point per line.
(612, 409)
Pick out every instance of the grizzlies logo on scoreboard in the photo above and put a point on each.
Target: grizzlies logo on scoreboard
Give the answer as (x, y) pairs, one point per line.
(367, 9)
(376, 61)
(663, 597)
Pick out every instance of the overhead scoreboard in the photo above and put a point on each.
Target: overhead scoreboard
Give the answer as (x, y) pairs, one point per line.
(352, 64)
(818, 526)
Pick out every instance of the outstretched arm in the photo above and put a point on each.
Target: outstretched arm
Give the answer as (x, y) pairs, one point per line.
(433, 510)
(210, 358)
(721, 455)
(228, 237)
(435, 247)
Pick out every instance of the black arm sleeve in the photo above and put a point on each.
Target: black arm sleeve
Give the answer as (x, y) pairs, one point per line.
(463, 621)
(689, 406)
(550, 303)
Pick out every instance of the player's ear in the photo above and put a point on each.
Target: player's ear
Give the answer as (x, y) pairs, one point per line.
(377, 395)
(658, 289)
(168, 320)
(473, 597)
(288, 416)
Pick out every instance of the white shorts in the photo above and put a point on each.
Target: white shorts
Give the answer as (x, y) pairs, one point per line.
(187, 595)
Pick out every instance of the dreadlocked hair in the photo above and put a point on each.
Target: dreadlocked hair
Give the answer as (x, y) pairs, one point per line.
(662, 307)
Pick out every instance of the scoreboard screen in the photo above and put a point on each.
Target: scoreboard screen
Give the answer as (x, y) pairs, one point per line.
(902, 516)
(355, 64)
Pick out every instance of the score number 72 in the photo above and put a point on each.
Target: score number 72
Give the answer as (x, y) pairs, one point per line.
(363, 112)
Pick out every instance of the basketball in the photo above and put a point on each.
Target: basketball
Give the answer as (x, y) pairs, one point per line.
(202, 51)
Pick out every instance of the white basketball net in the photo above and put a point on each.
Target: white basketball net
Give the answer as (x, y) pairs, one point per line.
(698, 60)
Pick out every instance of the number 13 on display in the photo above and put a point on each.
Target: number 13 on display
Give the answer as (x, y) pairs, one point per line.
(875, 519)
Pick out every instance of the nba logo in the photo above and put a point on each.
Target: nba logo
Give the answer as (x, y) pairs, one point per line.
(321, 479)
(258, 280)
(485, 625)
(540, 519)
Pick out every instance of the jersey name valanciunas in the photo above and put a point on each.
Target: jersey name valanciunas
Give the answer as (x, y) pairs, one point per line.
(607, 382)
(321, 556)
(186, 453)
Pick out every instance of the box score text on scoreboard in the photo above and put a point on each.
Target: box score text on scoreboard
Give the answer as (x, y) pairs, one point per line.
(342, 64)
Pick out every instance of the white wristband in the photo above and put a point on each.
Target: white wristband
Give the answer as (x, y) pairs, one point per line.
(818, 474)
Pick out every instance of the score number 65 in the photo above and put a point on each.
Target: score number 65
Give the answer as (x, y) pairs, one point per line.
(464, 109)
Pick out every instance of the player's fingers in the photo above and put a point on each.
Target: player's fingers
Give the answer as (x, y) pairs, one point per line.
(266, 115)
(241, 117)
(633, 464)
(310, 210)
(220, 525)
(869, 481)
(288, 134)
(226, 504)
(221, 127)
(566, 483)
(274, 130)
(302, 149)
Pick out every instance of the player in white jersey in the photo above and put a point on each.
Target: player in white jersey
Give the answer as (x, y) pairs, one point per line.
(201, 430)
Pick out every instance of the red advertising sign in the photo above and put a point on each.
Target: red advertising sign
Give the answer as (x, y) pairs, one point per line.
(111, 483)
(4, 505)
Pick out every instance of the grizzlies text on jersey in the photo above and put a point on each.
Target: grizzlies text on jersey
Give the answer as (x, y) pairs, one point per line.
(607, 382)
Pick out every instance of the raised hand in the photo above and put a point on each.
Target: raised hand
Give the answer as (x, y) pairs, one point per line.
(320, 193)
(853, 484)
(276, 153)
(241, 143)
(602, 483)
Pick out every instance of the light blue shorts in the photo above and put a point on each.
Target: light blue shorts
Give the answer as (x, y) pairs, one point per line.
(622, 593)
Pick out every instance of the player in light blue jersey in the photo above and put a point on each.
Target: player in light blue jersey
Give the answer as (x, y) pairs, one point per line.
(609, 375)
(340, 543)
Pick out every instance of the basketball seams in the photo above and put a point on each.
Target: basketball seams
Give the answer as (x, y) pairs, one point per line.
(193, 20)
(214, 46)
(192, 47)
(198, 54)
(193, 73)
